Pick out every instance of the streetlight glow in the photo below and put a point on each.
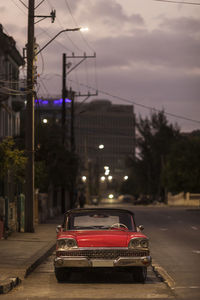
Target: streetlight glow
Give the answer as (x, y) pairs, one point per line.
(84, 178)
(107, 172)
(84, 29)
(125, 177)
(45, 121)
(101, 146)
(110, 178)
(103, 178)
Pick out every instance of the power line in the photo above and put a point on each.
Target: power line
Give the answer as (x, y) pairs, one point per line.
(84, 39)
(142, 105)
(178, 2)
(70, 39)
(23, 3)
(39, 4)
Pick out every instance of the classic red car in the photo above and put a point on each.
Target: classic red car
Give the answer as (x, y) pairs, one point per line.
(103, 238)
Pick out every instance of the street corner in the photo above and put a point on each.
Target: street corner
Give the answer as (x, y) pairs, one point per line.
(7, 284)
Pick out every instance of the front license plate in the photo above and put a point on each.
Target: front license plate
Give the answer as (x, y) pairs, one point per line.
(102, 263)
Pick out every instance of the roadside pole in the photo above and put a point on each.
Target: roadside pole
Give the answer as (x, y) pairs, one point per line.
(29, 135)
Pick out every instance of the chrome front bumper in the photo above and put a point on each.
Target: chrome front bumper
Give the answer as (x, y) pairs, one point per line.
(76, 262)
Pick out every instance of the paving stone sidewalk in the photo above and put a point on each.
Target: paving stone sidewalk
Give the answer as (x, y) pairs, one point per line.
(20, 253)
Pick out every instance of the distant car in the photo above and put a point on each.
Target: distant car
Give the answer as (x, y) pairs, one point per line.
(126, 198)
(99, 238)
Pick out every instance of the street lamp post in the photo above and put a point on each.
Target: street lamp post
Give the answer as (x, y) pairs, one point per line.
(64, 30)
(29, 136)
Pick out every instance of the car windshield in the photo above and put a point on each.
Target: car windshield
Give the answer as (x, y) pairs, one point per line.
(100, 220)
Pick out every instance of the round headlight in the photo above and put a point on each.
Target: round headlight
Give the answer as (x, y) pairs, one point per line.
(134, 243)
(144, 243)
(61, 243)
(70, 243)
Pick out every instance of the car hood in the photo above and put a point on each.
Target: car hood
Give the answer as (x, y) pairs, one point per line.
(100, 238)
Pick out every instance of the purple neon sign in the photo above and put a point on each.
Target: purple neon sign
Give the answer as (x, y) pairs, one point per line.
(56, 102)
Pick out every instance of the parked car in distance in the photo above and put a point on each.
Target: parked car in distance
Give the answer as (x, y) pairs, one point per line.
(101, 238)
(127, 199)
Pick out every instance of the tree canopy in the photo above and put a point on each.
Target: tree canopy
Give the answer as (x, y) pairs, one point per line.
(154, 139)
(12, 160)
(182, 168)
(55, 164)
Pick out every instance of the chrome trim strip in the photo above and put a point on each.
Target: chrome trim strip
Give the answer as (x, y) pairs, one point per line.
(97, 248)
(102, 248)
(84, 262)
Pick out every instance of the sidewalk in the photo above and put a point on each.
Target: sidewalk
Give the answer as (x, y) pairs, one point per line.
(22, 252)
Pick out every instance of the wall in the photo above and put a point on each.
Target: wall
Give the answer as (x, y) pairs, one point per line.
(184, 199)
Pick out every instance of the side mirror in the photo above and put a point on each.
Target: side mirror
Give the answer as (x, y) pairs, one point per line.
(58, 228)
(140, 228)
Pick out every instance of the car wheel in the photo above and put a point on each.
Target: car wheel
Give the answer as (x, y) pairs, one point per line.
(62, 274)
(140, 274)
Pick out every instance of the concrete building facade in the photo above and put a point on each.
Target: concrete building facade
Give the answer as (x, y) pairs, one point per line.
(10, 95)
(99, 122)
(102, 124)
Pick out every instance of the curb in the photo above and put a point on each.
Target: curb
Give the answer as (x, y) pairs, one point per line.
(6, 285)
(39, 258)
(162, 274)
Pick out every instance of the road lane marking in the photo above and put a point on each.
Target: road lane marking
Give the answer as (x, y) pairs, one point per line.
(194, 227)
(196, 251)
(164, 229)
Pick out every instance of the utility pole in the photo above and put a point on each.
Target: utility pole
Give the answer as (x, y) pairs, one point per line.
(29, 137)
(72, 138)
(70, 94)
(63, 127)
(64, 94)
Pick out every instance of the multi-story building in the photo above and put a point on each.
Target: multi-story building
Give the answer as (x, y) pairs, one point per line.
(99, 122)
(11, 102)
(10, 96)
(104, 135)
(105, 132)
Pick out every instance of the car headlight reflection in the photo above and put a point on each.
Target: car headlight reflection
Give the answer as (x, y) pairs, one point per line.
(138, 243)
(66, 243)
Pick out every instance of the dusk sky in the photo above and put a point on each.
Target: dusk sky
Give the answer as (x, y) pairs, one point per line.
(147, 52)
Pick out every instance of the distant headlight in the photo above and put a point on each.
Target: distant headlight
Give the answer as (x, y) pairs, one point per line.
(66, 243)
(138, 243)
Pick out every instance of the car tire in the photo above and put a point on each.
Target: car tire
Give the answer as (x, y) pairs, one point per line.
(62, 274)
(140, 274)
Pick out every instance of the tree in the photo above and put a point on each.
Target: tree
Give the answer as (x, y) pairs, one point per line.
(182, 169)
(154, 140)
(12, 160)
(55, 164)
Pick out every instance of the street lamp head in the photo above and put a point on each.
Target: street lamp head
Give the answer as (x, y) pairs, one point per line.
(84, 178)
(101, 146)
(84, 29)
(107, 172)
(45, 121)
(103, 178)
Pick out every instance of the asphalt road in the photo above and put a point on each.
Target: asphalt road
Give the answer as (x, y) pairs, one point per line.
(175, 243)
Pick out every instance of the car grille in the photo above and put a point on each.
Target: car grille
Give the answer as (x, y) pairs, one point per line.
(104, 253)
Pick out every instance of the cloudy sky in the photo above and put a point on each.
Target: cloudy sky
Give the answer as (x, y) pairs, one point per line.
(147, 52)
